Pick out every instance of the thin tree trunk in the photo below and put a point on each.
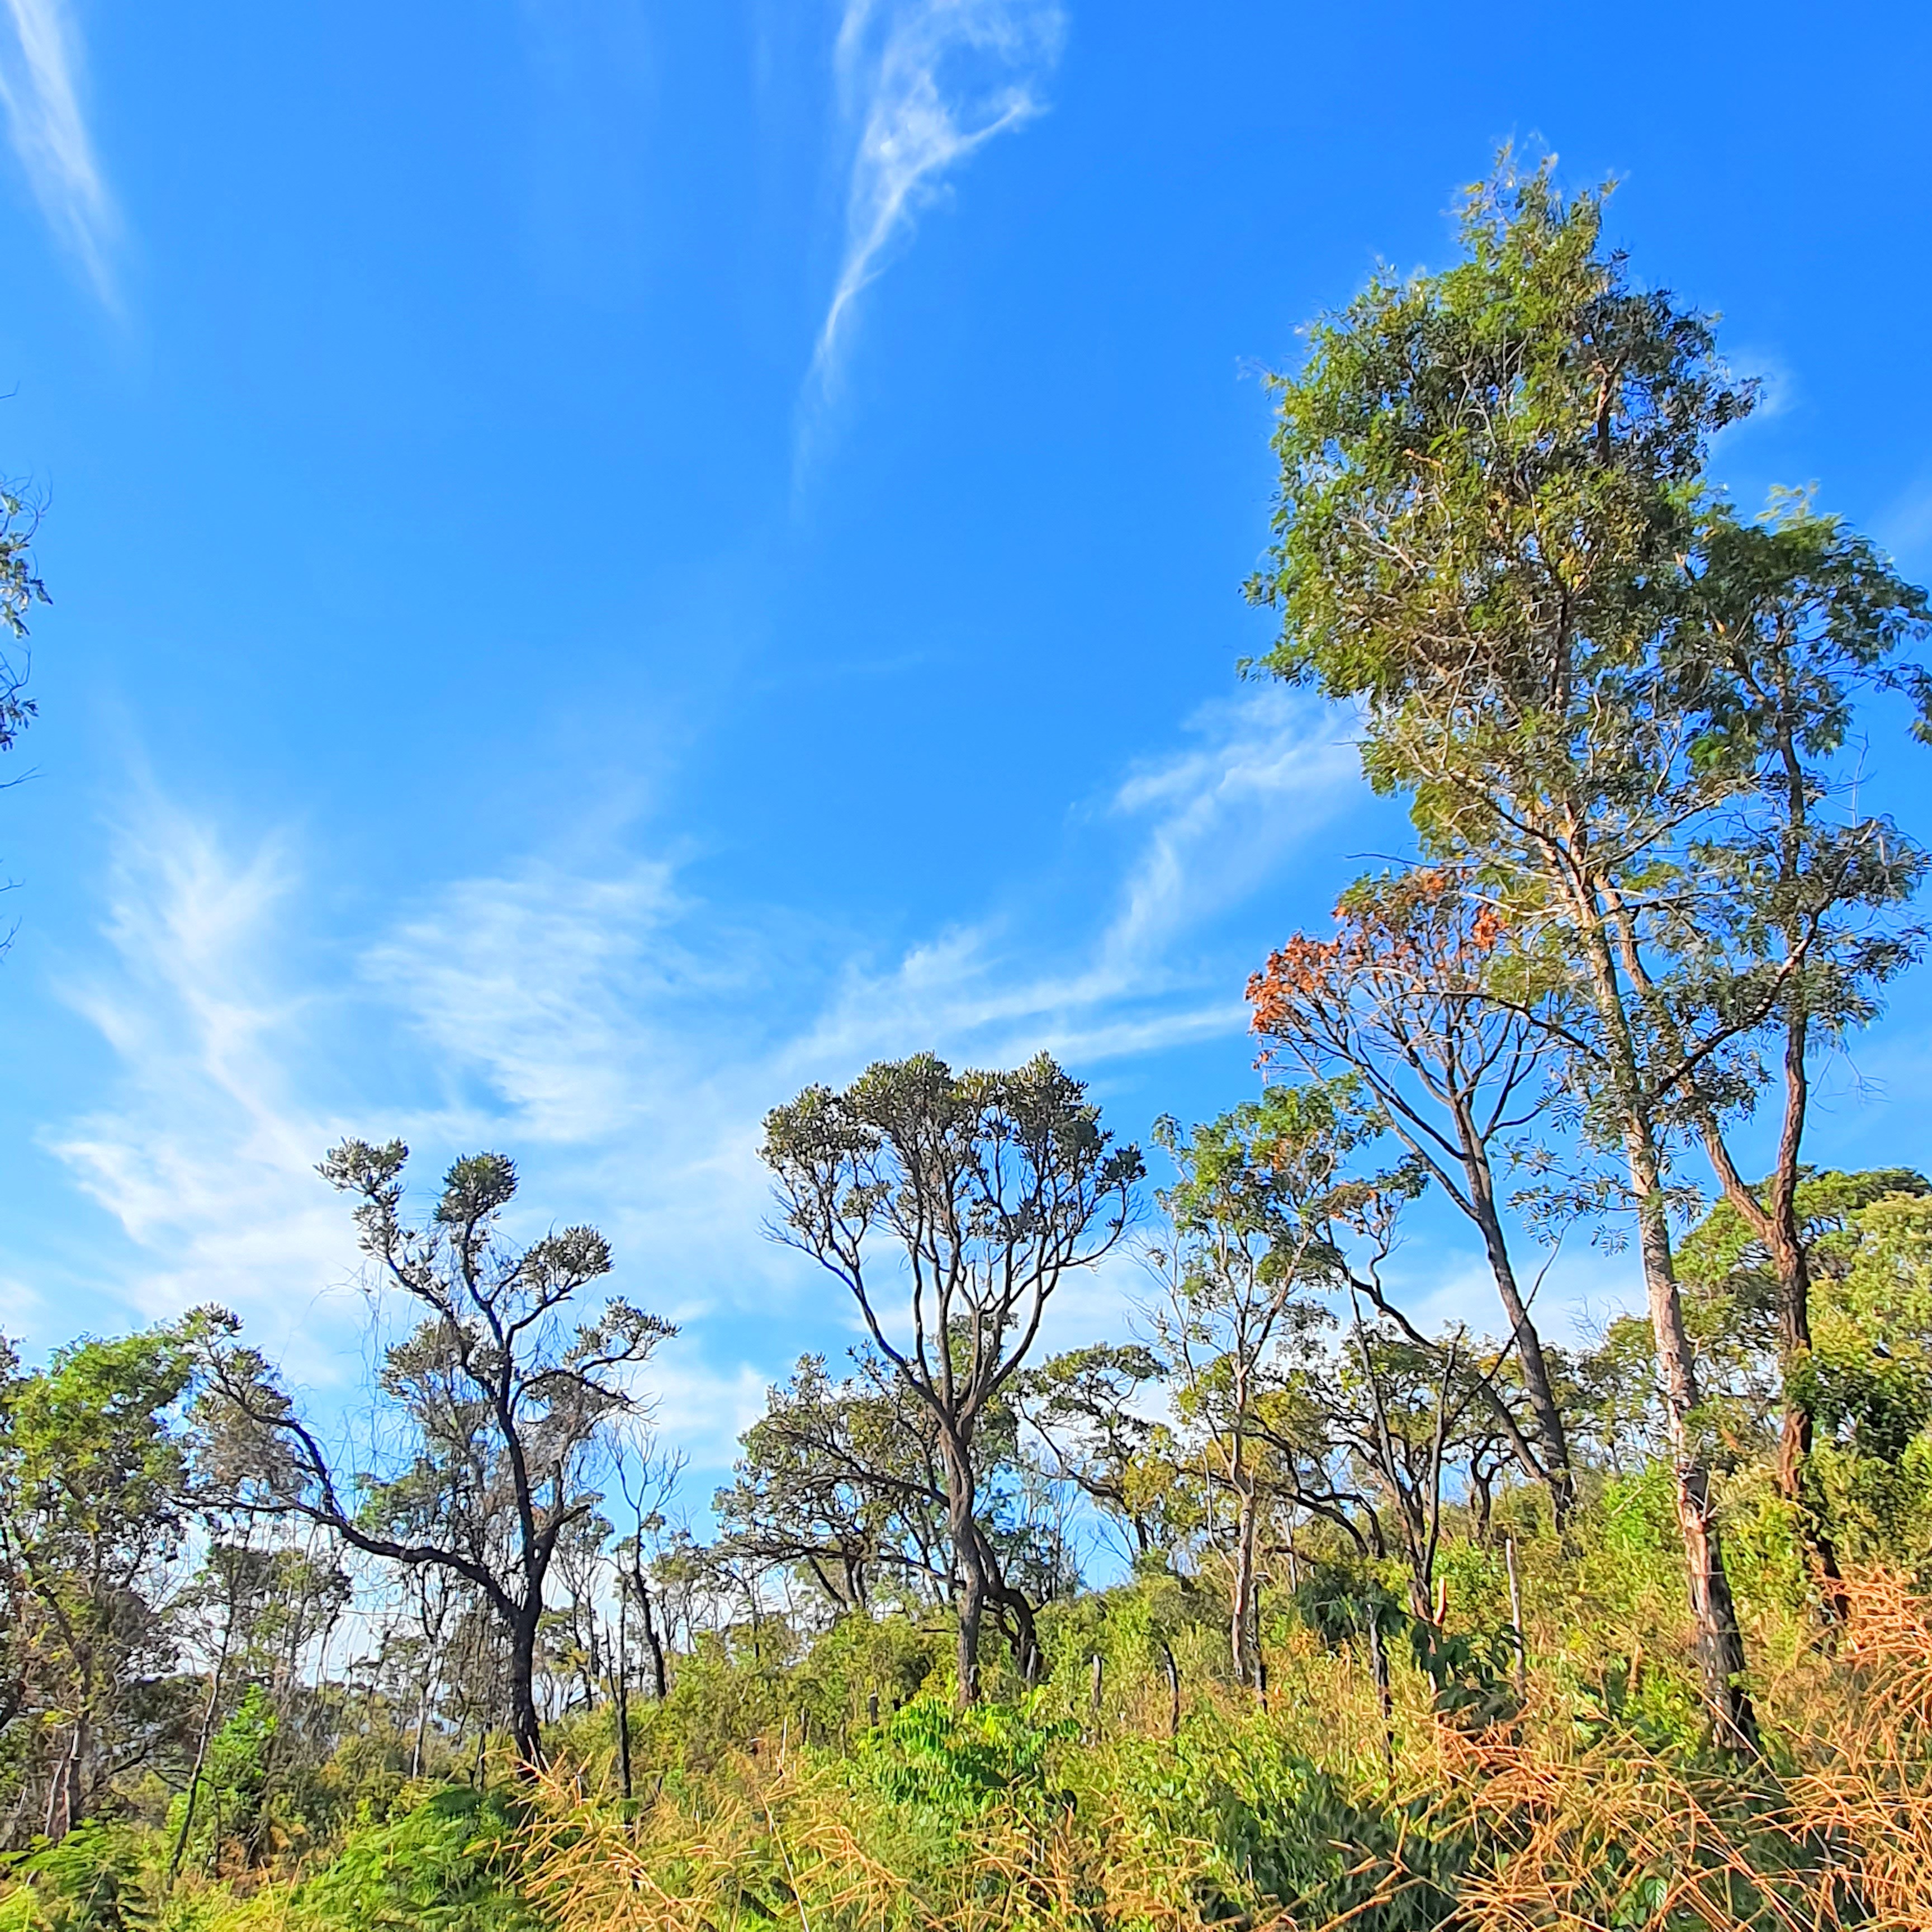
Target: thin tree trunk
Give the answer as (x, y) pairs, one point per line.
(1516, 1618)
(1720, 1646)
(1026, 1634)
(621, 1686)
(61, 1809)
(201, 1744)
(1556, 1471)
(660, 1683)
(1720, 1641)
(1775, 1222)
(422, 1726)
(972, 1610)
(969, 1561)
(1379, 1664)
(1241, 1595)
(1787, 1240)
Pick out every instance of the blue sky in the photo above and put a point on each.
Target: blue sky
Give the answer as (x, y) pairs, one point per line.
(612, 561)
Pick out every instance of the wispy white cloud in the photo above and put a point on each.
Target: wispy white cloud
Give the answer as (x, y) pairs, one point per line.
(704, 1410)
(540, 980)
(1779, 388)
(39, 70)
(1261, 773)
(622, 1040)
(605, 1028)
(926, 83)
(1215, 820)
(204, 1153)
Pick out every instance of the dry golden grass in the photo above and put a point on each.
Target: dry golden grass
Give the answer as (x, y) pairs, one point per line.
(1555, 1834)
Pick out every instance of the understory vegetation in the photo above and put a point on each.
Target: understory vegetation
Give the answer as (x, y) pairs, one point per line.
(1281, 1602)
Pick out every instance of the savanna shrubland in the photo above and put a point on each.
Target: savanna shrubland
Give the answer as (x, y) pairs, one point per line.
(1593, 1797)
(1397, 1625)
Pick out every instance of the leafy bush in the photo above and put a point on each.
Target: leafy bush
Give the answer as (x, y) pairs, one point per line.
(949, 1766)
(95, 1879)
(449, 1865)
(1282, 1834)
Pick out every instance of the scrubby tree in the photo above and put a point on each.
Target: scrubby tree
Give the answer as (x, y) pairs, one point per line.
(93, 1511)
(845, 1481)
(987, 1188)
(499, 1400)
(20, 589)
(1399, 1410)
(1398, 997)
(1088, 1407)
(1797, 620)
(1253, 1213)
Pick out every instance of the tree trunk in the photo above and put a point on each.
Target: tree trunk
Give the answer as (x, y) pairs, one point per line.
(1775, 1222)
(201, 1743)
(1794, 1477)
(1719, 1642)
(63, 1792)
(1241, 1596)
(1720, 1647)
(660, 1684)
(1796, 1481)
(1794, 1325)
(972, 1611)
(1787, 1243)
(621, 1684)
(1379, 1664)
(422, 1729)
(969, 1561)
(1516, 1618)
(526, 1728)
(1027, 1653)
(1556, 1473)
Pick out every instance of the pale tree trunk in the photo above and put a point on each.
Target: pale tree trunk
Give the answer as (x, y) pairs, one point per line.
(1720, 1647)
(969, 1560)
(1720, 1641)
(422, 1728)
(63, 1792)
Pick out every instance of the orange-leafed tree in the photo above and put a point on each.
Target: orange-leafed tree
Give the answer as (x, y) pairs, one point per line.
(1401, 995)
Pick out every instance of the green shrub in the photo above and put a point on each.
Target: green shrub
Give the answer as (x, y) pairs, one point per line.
(1283, 1835)
(449, 1865)
(96, 1878)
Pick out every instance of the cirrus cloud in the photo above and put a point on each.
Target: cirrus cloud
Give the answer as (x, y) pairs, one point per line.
(928, 83)
(40, 62)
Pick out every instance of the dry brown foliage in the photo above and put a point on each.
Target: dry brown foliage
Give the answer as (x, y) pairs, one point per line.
(1837, 1831)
